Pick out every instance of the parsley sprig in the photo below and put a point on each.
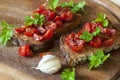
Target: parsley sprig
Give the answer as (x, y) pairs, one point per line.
(88, 36)
(68, 4)
(68, 74)
(6, 33)
(74, 7)
(37, 19)
(97, 59)
(53, 4)
(102, 18)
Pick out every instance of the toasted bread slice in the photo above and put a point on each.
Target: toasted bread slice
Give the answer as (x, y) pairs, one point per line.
(72, 58)
(38, 46)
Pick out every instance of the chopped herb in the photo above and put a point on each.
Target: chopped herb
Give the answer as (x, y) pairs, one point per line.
(74, 7)
(86, 36)
(6, 33)
(96, 32)
(89, 36)
(97, 59)
(68, 74)
(68, 4)
(78, 7)
(53, 4)
(102, 18)
(36, 19)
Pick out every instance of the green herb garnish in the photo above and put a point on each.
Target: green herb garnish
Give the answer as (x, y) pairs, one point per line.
(37, 20)
(68, 74)
(6, 33)
(53, 4)
(89, 36)
(74, 7)
(78, 7)
(102, 18)
(86, 36)
(96, 32)
(68, 4)
(97, 59)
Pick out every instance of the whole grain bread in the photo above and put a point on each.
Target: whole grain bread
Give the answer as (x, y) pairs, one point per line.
(38, 46)
(72, 58)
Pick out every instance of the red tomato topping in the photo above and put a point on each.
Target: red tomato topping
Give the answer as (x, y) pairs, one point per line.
(30, 32)
(48, 34)
(40, 9)
(41, 29)
(25, 51)
(87, 27)
(108, 42)
(78, 48)
(79, 33)
(76, 44)
(69, 16)
(52, 26)
(57, 18)
(64, 16)
(20, 30)
(51, 16)
(37, 37)
(59, 23)
(96, 42)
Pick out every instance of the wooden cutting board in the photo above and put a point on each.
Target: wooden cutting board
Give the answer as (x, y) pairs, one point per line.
(14, 67)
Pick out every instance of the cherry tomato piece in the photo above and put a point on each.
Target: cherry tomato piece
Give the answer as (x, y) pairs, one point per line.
(48, 34)
(78, 48)
(59, 23)
(25, 51)
(96, 42)
(108, 42)
(20, 30)
(87, 27)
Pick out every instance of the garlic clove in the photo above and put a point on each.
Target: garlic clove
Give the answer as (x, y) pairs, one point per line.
(49, 64)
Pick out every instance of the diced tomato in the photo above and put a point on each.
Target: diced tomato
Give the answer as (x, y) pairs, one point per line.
(87, 27)
(20, 30)
(52, 26)
(108, 42)
(96, 42)
(78, 48)
(71, 43)
(80, 32)
(51, 16)
(64, 16)
(57, 18)
(41, 29)
(59, 8)
(37, 37)
(40, 9)
(72, 35)
(96, 24)
(25, 51)
(69, 16)
(112, 32)
(31, 31)
(59, 23)
(70, 40)
(48, 34)
(108, 31)
(79, 41)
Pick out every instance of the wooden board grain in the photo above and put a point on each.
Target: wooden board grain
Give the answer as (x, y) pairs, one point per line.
(14, 11)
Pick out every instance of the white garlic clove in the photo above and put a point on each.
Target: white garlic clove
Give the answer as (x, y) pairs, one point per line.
(49, 64)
